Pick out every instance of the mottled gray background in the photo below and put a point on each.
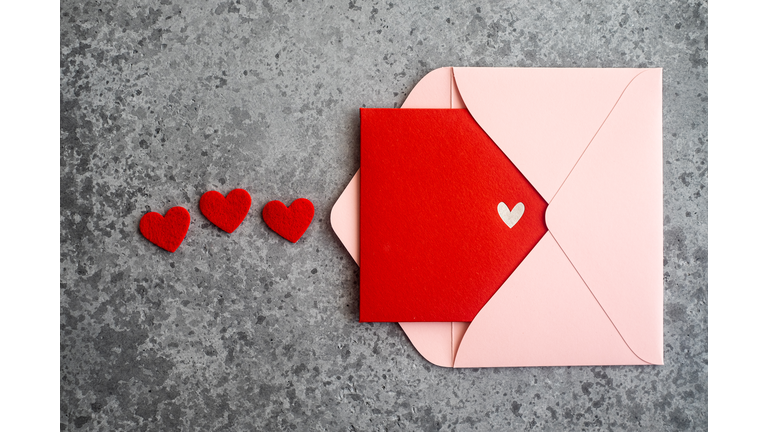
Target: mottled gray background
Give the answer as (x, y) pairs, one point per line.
(164, 100)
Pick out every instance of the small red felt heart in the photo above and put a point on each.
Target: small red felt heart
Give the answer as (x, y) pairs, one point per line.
(166, 231)
(290, 222)
(226, 213)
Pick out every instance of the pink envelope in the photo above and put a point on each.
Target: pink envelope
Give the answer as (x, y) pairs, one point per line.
(591, 291)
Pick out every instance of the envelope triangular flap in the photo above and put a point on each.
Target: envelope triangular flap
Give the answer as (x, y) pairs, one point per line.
(543, 315)
(607, 217)
(345, 217)
(541, 118)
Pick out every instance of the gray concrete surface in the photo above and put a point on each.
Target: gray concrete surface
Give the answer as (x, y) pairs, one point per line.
(164, 100)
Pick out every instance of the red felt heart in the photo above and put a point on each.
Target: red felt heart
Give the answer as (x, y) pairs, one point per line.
(226, 213)
(166, 231)
(290, 222)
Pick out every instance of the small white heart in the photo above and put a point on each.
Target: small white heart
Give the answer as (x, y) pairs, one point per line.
(510, 217)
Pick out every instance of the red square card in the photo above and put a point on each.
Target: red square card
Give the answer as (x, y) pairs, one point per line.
(445, 217)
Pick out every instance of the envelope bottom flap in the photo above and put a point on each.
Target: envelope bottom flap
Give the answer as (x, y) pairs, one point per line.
(607, 217)
(543, 315)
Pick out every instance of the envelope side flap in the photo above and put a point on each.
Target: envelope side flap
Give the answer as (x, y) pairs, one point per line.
(542, 119)
(607, 217)
(345, 217)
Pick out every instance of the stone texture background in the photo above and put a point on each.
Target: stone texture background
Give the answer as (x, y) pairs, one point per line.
(164, 100)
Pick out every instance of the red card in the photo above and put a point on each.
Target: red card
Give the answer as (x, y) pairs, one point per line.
(435, 241)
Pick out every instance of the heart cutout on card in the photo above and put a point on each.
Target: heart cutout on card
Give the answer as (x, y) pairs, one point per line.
(166, 231)
(226, 213)
(510, 217)
(290, 222)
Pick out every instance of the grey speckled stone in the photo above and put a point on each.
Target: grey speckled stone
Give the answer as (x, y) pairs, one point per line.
(164, 100)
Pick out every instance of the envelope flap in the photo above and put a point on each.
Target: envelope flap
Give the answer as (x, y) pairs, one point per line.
(345, 217)
(543, 315)
(607, 217)
(542, 119)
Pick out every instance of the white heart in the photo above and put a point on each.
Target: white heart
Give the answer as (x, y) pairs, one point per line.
(510, 217)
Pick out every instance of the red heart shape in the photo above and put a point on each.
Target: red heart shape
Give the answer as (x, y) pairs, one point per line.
(226, 213)
(290, 222)
(166, 231)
